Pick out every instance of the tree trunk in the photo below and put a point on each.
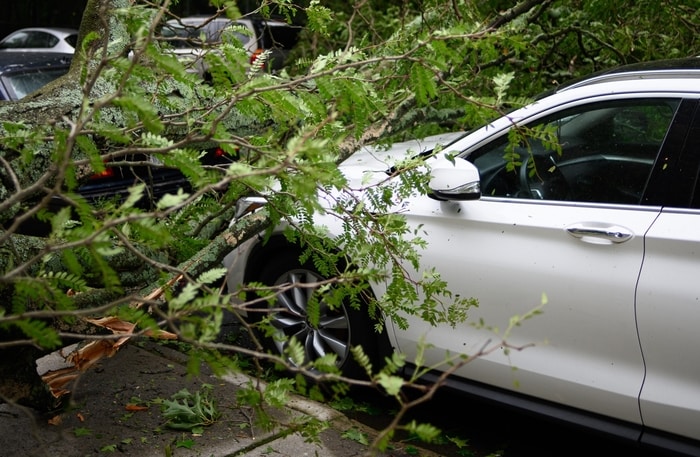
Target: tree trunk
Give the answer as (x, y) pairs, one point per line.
(19, 381)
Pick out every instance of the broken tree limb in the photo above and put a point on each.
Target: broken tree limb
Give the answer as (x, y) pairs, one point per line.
(81, 356)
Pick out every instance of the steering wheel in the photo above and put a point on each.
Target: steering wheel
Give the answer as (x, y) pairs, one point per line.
(543, 180)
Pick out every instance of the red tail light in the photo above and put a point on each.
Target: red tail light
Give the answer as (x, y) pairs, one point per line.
(107, 173)
(255, 55)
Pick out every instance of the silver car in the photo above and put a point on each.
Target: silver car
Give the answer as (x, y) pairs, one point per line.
(41, 39)
(595, 207)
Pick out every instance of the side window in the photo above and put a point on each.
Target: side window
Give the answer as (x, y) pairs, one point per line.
(17, 40)
(41, 40)
(214, 31)
(602, 152)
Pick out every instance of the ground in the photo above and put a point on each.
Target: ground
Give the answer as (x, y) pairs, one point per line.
(115, 408)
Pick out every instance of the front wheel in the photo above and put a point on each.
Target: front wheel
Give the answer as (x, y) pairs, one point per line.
(337, 329)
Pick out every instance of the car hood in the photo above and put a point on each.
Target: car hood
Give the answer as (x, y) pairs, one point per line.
(370, 164)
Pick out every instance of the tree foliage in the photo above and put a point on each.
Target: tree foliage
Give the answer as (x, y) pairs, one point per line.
(364, 71)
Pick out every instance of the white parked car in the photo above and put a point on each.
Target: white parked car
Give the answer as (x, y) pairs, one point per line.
(608, 228)
(199, 32)
(190, 37)
(41, 39)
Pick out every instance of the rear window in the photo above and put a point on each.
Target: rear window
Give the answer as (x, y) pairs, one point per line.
(72, 40)
(21, 84)
(17, 40)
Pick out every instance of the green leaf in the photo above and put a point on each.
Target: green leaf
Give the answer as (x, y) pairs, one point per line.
(294, 350)
(356, 435)
(39, 331)
(188, 294)
(82, 431)
(277, 392)
(145, 111)
(88, 146)
(188, 443)
(423, 83)
(136, 193)
(425, 432)
(318, 17)
(190, 411)
(170, 200)
(391, 384)
(210, 276)
(502, 82)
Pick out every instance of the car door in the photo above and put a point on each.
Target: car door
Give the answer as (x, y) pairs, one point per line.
(562, 224)
(668, 297)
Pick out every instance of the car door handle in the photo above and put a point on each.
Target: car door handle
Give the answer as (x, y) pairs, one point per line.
(607, 234)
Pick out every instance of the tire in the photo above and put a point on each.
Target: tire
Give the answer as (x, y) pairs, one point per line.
(338, 331)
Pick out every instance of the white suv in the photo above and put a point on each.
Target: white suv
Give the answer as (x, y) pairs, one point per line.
(606, 225)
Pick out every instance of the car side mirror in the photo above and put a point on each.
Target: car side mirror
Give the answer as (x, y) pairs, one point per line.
(455, 179)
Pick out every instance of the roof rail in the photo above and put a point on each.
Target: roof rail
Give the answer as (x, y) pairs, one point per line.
(672, 68)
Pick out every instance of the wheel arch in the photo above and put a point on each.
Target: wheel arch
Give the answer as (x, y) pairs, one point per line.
(263, 250)
(276, 246)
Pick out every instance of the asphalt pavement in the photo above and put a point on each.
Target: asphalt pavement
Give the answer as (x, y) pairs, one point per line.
(116, 408)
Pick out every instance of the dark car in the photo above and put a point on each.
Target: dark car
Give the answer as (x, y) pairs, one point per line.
(115, 182)
(22, 73)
